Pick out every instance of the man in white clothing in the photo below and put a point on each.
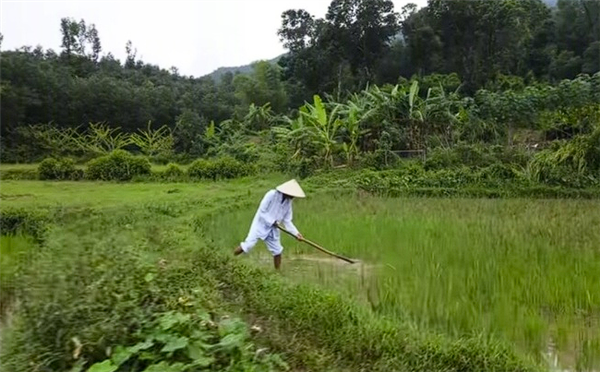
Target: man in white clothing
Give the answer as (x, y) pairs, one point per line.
(275, 206)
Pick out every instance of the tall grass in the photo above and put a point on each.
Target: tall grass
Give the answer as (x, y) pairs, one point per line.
(14, 251)
(525, 271)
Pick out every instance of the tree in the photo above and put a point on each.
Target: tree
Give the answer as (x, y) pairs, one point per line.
(95, 41)
(69, 30)
(591, 58)
(482, 38)
(263, 86)
(188, 133)
(423, 46)
(340, 52)
(131, 55)
(77, 39)
(363, 29)
(297, 30)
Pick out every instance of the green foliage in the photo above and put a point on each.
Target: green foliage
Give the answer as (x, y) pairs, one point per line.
(154, 142)
(475, 156)
(569, 122)
(177, 341)
(15, 221)
(119, 165)
(14, 252)
(220, 168)
(262, 88)
(201, 168)
(62, 169)
(101, 139)
(15, 173)
(575, 162)
(173, 172)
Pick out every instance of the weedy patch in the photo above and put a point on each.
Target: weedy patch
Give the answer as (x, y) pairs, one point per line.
(181, 341)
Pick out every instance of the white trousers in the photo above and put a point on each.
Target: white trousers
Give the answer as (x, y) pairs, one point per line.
(272, 241)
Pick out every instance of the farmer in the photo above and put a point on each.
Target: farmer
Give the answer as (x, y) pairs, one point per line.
(275, 206)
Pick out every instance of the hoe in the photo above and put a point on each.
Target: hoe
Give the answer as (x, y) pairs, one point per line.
(318, 247)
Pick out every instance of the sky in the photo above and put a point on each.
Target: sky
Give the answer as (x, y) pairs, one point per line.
(197, 36)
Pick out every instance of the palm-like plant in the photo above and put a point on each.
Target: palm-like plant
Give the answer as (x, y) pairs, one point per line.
(324, 127)
(356, 112)
(259, 117)
(101, 139)
(153, 142)
(297, 134)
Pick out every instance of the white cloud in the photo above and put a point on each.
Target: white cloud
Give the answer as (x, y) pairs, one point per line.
(195, 36)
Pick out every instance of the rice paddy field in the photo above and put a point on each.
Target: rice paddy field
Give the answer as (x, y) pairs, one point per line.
(522, 270)
(452, 272)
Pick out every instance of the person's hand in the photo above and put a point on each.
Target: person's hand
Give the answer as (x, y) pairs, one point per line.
(299, 237)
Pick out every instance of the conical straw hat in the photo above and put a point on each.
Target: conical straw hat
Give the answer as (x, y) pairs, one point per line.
(291, 188)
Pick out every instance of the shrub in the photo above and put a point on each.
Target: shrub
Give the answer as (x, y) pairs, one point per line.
(201, 168)
(474, 156)
(62, 169)
(173, 172)
(221, 168)
(14, 221)
(119, 165)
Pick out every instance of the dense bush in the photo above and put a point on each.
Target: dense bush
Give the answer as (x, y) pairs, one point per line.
(14, 221)
(475, 156)
(221, 168)
(201, 168)
(119, 165)
(61, 169)
(173, 172)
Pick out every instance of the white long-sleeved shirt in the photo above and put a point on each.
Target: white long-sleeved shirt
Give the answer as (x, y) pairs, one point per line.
(273, 207)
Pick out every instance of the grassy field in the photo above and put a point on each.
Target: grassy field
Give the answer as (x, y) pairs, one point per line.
(442, 284)
(525, 271)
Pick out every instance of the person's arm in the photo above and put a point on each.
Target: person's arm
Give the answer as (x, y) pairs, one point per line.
(264, 209)
(289, 225)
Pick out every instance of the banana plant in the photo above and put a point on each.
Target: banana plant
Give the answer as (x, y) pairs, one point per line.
(296, 133)
(153, 142)
(356, 113)
(324, 127)
(259, 117)
(57, 141)
(433, 115)
(101, 139)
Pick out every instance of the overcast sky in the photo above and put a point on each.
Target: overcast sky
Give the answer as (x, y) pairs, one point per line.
(195, 36)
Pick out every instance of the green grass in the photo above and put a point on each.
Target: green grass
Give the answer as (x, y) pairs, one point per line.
(13, 252)
(24, 166)
(520, 270)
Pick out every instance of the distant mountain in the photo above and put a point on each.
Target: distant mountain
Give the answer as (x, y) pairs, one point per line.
(246, 69)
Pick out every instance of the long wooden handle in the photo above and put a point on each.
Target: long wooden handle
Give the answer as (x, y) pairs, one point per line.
(317, 246)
